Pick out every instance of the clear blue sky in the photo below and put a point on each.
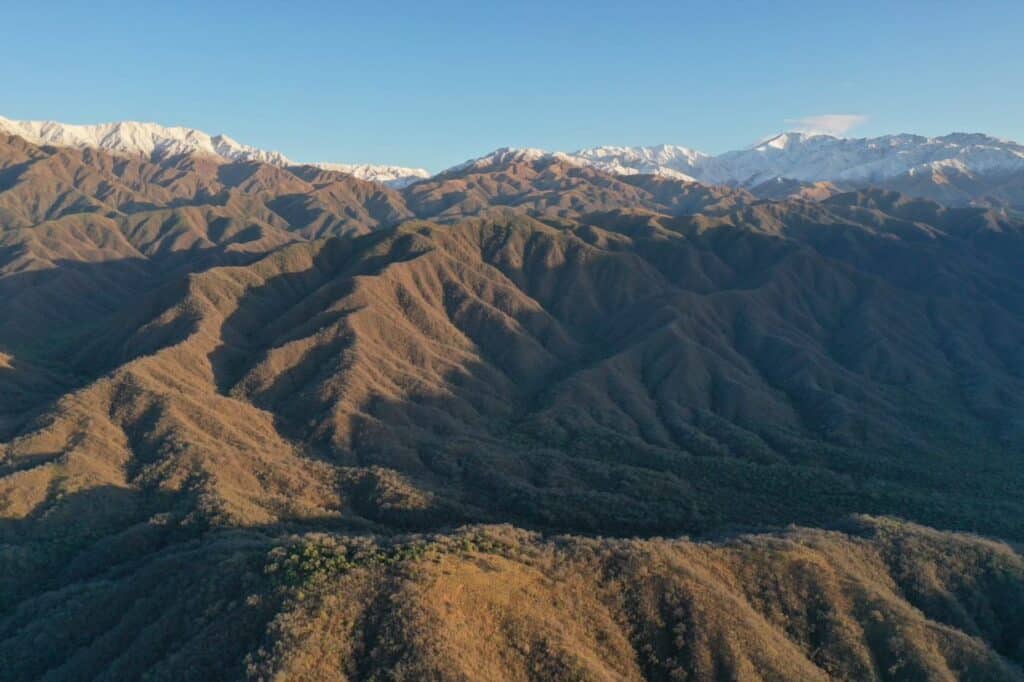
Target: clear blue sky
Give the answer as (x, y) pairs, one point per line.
(433, 83)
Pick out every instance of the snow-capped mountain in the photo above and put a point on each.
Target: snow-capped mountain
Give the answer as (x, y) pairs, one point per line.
(665, 159)
(955, 168)
(815, 158)
(393, 176)
(506, 155)
(147, 139)
(796, 156)
(157, 142)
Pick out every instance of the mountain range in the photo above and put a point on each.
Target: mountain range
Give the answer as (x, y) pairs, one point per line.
(956, 169)
(156, 142)
(537, 416)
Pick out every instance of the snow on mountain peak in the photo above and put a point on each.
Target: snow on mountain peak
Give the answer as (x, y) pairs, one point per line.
(393, 176)
(664, 159)
(791, 139)
(146, 139)
(157, 142)
(799, 156)
(507, 155)
(515, 154)
(819, 157)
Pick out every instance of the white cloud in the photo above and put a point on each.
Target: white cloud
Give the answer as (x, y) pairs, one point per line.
(829, 124)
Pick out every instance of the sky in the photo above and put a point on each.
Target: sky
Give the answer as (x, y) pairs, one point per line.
(431, 84)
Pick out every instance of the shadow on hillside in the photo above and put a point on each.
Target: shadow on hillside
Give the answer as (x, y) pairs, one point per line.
(479, 446)
(53, 320)
(109, 530)
(255, 325)
(75, 535)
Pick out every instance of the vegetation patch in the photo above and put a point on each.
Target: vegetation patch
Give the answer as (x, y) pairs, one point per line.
(314, 560)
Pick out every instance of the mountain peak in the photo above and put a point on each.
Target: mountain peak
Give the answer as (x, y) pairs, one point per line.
(393, 176)
(790, 139)
(149, 140)
(807, 157)
(508, 155)
(156, 142)
(668, 160)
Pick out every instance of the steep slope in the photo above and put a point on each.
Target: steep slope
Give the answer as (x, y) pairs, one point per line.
(618, 378)
(84, 233)
(227, 389)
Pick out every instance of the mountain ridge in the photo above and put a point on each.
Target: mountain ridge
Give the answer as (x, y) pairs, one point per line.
(266, 422)
(959, 168)
(156, 142)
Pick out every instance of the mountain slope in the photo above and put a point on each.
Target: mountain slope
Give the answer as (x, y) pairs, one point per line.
(862, 339)
(228, 392)
(467, 359)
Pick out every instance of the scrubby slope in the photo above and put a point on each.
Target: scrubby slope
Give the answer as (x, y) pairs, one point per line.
(189, 374)
(879, 600)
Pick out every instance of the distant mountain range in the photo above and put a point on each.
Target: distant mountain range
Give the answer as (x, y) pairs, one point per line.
(816, 158)
(157, 142)
(958, 169)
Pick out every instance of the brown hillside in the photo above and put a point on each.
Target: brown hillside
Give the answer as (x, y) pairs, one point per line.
(211, 369)
(879, 601)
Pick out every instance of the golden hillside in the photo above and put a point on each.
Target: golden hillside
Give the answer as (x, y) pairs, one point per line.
(245, 409)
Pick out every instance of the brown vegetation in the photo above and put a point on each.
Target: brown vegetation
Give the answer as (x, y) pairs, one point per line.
(208, 371)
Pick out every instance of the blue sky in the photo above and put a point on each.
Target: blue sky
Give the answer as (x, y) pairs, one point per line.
(433, 83)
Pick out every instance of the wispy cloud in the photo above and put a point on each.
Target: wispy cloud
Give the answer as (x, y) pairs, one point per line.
(829, 124)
